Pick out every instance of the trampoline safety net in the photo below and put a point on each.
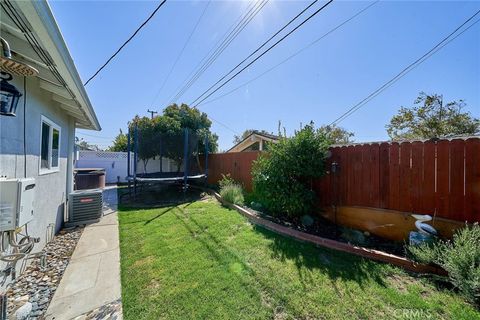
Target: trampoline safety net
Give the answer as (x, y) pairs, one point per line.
(168, 157)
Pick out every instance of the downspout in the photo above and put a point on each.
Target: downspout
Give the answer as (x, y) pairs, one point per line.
(70, 157)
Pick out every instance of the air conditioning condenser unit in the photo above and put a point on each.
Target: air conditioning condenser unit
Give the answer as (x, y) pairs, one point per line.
(84, 207)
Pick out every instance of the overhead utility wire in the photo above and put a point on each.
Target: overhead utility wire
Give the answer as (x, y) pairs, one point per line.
(263, 44)
(292, 56)
(221, 45)
(181, 52)
(126, 42)
(217, 44)
(33, 42)
(221, 48)
(262, 54)
(409, 68)
(223, 125)
(94, 136)
(36, 47)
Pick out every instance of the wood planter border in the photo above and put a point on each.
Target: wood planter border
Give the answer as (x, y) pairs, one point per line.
(332, 244)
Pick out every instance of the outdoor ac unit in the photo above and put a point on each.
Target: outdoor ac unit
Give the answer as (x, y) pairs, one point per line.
(16, 202)
(84, 206)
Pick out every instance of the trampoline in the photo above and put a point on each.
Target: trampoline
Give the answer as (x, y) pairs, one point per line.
(179, 157)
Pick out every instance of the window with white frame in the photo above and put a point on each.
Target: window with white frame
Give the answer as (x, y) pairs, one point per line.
(49, 146)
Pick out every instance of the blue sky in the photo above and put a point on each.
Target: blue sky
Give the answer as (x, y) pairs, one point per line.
(319, 84)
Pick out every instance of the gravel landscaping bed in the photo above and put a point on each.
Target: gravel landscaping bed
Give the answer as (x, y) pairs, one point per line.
(32, 291)
(110, 311)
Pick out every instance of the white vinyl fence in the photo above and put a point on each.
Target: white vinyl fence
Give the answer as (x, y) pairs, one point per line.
(115, 164)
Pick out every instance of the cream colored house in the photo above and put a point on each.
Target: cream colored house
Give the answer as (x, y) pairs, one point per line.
(255, 141)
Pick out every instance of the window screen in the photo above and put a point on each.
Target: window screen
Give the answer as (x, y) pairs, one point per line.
(45, 145)
(55, 142)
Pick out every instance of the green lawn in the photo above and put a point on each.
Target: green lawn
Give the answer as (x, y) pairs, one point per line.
(202, 261)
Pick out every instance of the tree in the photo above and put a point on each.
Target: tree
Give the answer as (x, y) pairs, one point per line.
(84, 145)
(430, 117)
(246, 133)
(120, 143)
(163, 135)
(282, 179)
(146, 134)
(336, 135)
(194, 120)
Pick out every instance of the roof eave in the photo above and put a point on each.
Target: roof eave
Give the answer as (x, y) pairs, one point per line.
(47, 24)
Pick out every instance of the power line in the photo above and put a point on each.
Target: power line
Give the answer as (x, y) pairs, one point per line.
(228, 38)
(263, 44)
(125, 43)
(223, 125)
(221, 45)
(293, 55)
(263, 53)
(94, 136)
(409, 68)
(181, 52)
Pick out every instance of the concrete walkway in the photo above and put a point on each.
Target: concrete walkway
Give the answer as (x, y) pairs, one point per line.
(92, 278)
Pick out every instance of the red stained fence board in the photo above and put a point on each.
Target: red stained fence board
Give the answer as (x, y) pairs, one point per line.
(457, 182)
(394, 195)
(428, 183)
(472, 180)
(443, 178)
(416, 177)
(384, 175)
(405, 203)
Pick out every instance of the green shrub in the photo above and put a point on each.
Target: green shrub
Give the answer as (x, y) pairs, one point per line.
(227, 180)
(232, 193)
(425, 253)
(459, 257)
(282, 179)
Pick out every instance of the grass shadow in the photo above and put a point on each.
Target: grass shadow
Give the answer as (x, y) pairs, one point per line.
(308, 257)
(218, 251)
(158, 196)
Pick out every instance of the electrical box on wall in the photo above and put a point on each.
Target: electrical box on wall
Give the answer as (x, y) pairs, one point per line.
(16, 202)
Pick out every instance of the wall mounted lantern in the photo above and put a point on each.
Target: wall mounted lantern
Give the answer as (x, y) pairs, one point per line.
(9, 96)
(334, 167)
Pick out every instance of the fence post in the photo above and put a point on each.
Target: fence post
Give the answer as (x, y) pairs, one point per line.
(135, 160)
(206, 158)
(185, 159)
(128, 153)
(161, 154)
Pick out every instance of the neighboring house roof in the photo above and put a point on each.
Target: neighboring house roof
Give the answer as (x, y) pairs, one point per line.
(83, 148)
(253, 138)
(34, 37)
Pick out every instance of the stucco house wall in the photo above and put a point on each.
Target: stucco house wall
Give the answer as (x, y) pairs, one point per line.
(55, 93)
(51, 188)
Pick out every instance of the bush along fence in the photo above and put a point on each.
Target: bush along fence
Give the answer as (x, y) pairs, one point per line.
(377, 186)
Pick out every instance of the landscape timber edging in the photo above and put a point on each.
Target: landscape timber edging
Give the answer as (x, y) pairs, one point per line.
(332, 244)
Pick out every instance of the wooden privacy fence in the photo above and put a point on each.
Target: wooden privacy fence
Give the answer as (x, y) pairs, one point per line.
(440, 177)
(237, 164)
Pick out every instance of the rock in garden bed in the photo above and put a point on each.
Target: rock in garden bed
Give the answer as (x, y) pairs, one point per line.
(110, 311)
(32, 291)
